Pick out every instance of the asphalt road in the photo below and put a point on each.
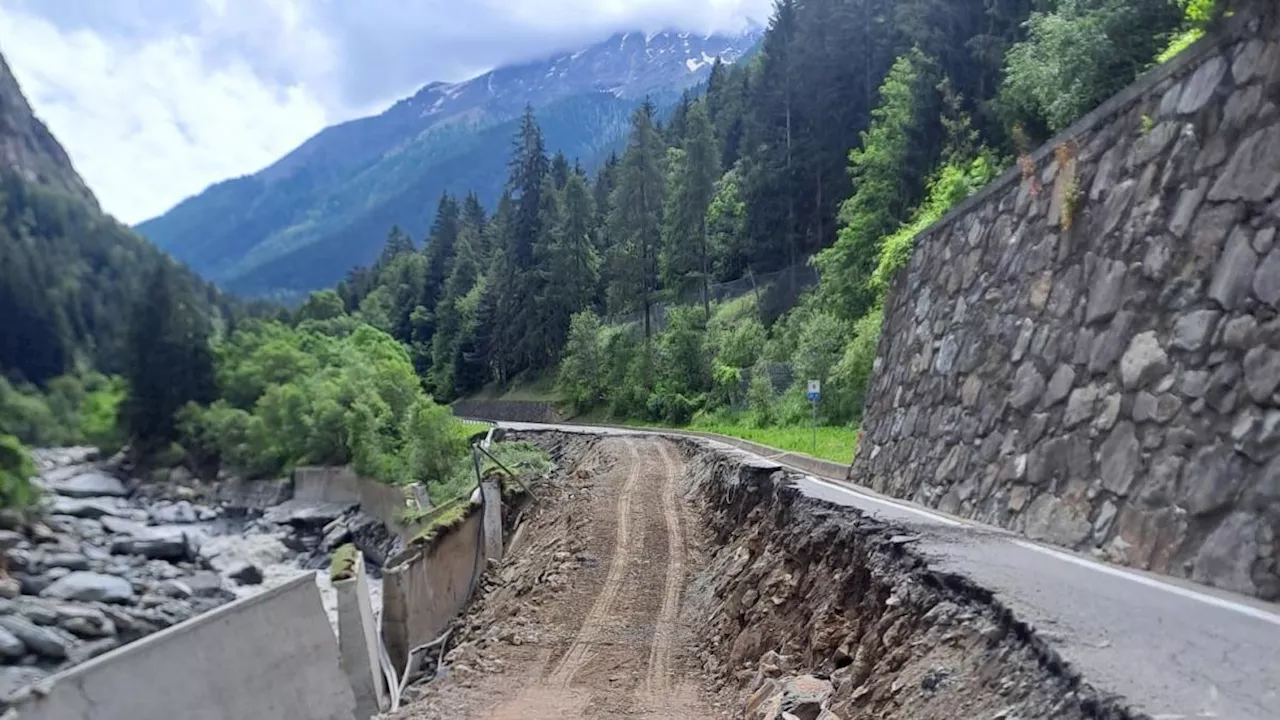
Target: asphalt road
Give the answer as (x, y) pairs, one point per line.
(1173, 649)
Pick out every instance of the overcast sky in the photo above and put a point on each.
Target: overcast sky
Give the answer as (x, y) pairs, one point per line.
(157, 99)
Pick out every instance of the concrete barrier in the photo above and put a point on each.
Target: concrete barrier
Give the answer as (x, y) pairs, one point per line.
(326, 484)
(358, 642)
(425, 588)
(342, 485)
(269, 657)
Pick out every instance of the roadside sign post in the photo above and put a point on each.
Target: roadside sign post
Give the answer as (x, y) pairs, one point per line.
(814, 392)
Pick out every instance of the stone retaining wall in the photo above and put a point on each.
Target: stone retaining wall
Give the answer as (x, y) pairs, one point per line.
(1090, 353)
(508, 410)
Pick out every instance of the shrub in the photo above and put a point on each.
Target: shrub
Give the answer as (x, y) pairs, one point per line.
(16, 470)
(433, 441)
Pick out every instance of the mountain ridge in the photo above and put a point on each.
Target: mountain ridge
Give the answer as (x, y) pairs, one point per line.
(343, 188)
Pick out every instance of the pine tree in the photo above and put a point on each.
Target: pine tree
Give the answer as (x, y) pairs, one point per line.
(541, 337)
(686, 255)
(560, 170)
(169, 360)
(884, 181)
(398, 242)
(453, 317)
(772, 135)
(514, 309)
(635, 219)
(439, 257)
(571, 267)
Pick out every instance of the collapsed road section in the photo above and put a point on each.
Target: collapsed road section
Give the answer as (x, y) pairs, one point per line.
(671, 578)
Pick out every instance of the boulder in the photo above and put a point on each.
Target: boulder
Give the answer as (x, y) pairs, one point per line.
(306, 513)
(203, 584)
(245, 573)
(70, 561)
(804, 696)
(46, 642)
(120, 526)
(156, 544)
(40, 612)
(10, 646)
(90, 624)
(90, 484)
(11, 539)
(174, 589)
(10, 588)
(34, 584)
(92, 508)
(179, 513)
(90, 587)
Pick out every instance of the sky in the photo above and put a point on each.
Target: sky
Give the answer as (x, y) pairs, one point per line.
(157, 99)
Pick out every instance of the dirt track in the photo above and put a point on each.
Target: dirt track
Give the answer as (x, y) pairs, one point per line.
(587, 622)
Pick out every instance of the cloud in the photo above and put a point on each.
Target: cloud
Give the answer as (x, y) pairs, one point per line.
(156, 99)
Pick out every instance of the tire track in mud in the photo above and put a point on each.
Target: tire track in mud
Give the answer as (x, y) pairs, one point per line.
(658, 682)
(592, 628)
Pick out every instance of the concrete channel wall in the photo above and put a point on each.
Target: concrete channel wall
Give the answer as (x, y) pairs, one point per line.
(269, 657)
(426, 587)
(341, 485)
(1088, 351)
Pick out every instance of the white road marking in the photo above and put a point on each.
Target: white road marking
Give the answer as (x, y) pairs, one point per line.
(1214, 600)
(940, 519)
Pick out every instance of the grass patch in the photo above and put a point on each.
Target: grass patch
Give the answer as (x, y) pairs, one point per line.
(342, 563)
(438, 519)
(535, 388)
(521, 458)
(833, 443)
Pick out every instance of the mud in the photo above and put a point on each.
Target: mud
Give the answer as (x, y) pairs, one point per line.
(662, 578)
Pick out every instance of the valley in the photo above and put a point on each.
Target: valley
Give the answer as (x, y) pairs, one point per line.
(300, 224)
(902, 358)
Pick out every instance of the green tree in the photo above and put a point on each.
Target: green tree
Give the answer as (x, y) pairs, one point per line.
(514, 294)
(170, 363)
(570, 265)
(1080, 53)
(398, 243)
(687, 249)
(440, 252)
(635, 219)
(581, 378)
(16, 470)
(883, 183)
(321, 305)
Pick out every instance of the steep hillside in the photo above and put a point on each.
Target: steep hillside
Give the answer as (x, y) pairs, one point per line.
(28, 149)
(68, 273)
(326, 206)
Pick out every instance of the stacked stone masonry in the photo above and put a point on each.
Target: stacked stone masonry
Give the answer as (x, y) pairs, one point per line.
(1090, 353)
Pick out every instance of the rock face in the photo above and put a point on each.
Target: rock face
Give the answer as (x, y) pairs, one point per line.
(1116, 382)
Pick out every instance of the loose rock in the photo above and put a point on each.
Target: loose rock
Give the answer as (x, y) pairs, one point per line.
(90, 587)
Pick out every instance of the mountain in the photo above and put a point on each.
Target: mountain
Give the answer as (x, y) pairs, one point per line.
(28, 149)
(68, 273)
(301, 223)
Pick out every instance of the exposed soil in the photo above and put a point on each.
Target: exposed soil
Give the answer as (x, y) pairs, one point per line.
(584, 619)
(669, 579)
